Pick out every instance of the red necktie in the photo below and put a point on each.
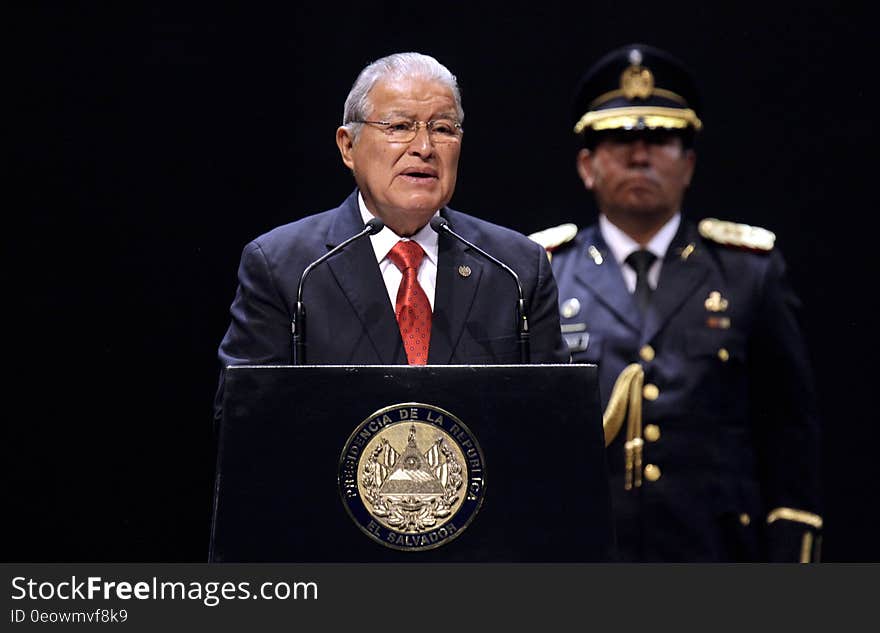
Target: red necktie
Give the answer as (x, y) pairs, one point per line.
(413, 309)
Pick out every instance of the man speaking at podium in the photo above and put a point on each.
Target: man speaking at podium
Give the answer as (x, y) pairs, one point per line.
(430, 285)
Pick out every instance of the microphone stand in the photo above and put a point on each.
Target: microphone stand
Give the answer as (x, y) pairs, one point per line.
(298, 325)
(440, 224)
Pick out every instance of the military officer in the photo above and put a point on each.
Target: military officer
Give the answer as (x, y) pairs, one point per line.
(711, 421)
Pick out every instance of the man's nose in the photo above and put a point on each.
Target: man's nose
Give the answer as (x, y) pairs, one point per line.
(639, 151)
(422, 144)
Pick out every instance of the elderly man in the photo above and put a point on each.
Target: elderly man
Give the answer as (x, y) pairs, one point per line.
(407, 294)
(711, 419)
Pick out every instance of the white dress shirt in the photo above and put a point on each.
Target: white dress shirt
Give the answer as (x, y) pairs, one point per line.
(622, 246)
(384, 241)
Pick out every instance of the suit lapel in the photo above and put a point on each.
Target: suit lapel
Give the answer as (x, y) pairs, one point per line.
(357, 273)
(454, 296)
(606, 281)
(678, 278)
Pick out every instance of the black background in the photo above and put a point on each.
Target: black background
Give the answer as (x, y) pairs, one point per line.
(152, 142)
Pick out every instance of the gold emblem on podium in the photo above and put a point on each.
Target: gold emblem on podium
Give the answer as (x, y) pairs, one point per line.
(412, 476)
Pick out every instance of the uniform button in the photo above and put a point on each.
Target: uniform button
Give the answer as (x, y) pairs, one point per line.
(571, 308)
(652, 432)
(723, 354)
(651, 391)
(647, 353)
(744, 519)
(652, 472)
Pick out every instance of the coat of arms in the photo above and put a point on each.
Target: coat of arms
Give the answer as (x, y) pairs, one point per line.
(412, 490)
(412, 476)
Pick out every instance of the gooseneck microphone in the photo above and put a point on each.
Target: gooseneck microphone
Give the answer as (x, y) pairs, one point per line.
(441, 225)
(298, 325)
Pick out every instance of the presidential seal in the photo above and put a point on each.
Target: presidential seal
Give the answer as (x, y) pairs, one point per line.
(412, 476)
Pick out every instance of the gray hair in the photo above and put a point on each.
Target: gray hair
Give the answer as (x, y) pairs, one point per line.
(398, 65)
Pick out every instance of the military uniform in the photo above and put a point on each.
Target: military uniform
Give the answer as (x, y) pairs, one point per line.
(729, 429)
(710, 413)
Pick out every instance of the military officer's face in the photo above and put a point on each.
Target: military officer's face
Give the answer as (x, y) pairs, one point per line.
(637, 173)
(404, 183)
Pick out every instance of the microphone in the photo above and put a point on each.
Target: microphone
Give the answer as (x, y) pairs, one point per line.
(441, 225)
(298, 325)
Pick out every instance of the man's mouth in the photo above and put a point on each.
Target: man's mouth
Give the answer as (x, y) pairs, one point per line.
(640, 182)
(419, 174)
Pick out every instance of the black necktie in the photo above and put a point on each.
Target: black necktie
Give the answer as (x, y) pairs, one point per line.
(641, 261)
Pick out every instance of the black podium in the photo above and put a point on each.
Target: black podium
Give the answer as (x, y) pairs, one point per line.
(429, 464)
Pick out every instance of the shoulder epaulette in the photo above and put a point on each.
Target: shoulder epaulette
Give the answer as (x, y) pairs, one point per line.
(554, 237)
(738, 235)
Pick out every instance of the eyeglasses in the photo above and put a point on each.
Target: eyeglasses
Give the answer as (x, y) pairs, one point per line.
(405, 130)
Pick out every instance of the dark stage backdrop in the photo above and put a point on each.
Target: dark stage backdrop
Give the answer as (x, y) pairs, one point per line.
(152, 142)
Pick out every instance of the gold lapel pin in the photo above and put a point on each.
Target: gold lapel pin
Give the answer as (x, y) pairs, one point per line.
(464, 271)
(715, 302)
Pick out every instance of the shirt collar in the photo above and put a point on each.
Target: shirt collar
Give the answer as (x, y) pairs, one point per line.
(621, 244)
(384, 240)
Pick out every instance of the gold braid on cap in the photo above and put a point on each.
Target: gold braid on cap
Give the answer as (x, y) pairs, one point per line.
(630, 93)
(626, 397)
(638, 116)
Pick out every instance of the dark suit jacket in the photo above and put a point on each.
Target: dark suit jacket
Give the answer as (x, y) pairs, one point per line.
(736, 412)
(349, 317)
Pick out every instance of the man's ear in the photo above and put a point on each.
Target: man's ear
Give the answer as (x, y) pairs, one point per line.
(691, 157)
(345, 143)
(585, 168)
